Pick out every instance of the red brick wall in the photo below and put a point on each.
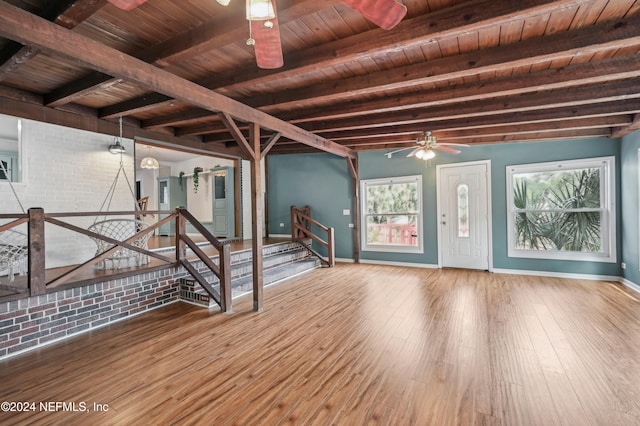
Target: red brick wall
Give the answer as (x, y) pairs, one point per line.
(35, 321)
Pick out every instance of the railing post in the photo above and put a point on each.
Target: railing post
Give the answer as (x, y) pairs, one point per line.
(294, 233)
(330, 241)
(181, 223)
(36, 278)
(225, 278)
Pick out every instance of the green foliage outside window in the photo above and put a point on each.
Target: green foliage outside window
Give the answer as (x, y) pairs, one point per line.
(558, 210)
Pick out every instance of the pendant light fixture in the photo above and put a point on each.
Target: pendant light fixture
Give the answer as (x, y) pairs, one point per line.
(224, 2)
(116, 147)
(149, 162)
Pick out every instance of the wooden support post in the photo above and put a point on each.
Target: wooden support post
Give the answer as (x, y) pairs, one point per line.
(353, 169)
(225, 278)
(37, 283)
(181, 223)
(332, 248)
(257, 216)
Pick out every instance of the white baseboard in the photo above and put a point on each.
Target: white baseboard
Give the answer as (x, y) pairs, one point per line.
(557, 274)
(629, 284)
(279, 235)
(408, 264)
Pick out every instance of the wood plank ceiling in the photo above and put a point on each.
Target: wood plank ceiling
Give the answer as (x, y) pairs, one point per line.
(481, 71)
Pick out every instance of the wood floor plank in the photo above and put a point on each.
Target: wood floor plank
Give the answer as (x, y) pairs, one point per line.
(356, 344)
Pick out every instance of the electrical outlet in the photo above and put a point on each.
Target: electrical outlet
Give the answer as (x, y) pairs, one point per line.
(351, 225)
(281, 225)
(623, 265)
(346, 212)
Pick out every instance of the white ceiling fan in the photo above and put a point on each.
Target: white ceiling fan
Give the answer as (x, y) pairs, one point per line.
(426, 145)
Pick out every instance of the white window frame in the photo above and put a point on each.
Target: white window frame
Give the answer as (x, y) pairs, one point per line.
(17, 159)
(364, 184)
(607, 210)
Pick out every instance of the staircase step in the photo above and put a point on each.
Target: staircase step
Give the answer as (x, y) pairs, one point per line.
(274, 275)
(280, 261)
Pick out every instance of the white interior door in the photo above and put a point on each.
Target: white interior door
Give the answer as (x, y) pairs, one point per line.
(463, 217)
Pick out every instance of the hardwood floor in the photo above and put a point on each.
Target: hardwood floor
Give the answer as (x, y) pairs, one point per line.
(353, 345)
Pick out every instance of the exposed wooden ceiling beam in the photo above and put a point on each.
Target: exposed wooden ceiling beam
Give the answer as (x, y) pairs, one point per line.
(608, 92)
(621, 131)
(191, 43)
(538, 137)
(34, 111)
(496, 130)
(28, 29)
(447, 23)
(562, 115)
(571, 75)
(559, 46)
(67, 14)
(606, 70)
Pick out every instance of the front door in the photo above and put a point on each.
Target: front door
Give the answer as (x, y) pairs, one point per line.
(463, 219)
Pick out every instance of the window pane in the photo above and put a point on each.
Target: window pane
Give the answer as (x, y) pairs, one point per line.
(463, 211)
(569, 231)
(562, 189)
(392, 198)
(220, 186)
(392, 230)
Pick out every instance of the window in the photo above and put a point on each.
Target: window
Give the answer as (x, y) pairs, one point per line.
(10, 129)
(392, 214)
(463, 211)
(562, 210)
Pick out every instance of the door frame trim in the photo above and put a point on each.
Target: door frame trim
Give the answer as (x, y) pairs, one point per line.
(439, 168)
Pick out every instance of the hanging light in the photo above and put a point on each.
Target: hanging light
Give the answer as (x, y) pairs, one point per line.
(260, 10)
(224, 2)
(116, 147)
(149, 162)
(428, 154)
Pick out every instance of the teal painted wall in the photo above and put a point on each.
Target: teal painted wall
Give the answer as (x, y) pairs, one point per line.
(322, 181)
(630, 206)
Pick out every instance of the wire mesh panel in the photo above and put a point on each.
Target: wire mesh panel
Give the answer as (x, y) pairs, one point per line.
(14, 252)
(121, 230)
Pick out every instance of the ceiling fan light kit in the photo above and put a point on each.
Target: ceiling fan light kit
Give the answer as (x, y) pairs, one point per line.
(426, 145)
(427, 154)
(260, 10)
(127, 4)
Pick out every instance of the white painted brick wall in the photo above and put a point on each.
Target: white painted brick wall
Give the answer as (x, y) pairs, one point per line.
(68, 170)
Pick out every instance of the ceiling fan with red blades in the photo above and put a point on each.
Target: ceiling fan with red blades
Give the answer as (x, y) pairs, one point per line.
(127, 4)
(264, 30)
(426, 144)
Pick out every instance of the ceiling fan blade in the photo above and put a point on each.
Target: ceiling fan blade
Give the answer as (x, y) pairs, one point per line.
(384, 13)
(268, 47)
(453, 144)
(127, 4)
(414, 152)
(446, 149)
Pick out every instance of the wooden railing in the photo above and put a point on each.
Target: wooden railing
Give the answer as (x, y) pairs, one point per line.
(37, 283)
(301, 223)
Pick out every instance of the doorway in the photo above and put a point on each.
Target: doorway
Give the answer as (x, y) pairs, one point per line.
(464, 216)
